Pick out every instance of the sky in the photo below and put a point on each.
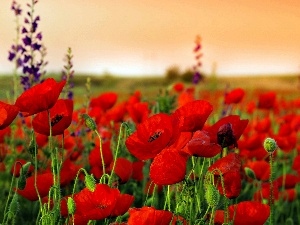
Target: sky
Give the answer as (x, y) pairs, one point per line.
(143, 37)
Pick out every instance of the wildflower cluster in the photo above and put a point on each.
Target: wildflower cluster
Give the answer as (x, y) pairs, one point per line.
(28, 51)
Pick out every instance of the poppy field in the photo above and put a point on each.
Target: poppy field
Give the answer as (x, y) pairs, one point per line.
(188, 154)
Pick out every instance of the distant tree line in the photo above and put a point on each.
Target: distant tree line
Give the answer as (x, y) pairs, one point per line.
(174, 73)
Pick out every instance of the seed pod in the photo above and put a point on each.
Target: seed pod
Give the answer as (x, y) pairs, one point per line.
(89, 122)
(90, 182)
(270, 145)
(212, 195)
(71, 205)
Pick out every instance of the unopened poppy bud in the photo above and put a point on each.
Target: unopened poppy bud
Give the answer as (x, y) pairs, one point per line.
(212, 195)
(250, 173)
(89, 122)
(270, 145)
(71, 205)
(23, 175)
(25, 168)
(22, 182)
(90, 182)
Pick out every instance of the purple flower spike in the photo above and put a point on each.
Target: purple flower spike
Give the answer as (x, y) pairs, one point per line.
(11, 56)
(39, 36)
(36, 46)
(26, 40)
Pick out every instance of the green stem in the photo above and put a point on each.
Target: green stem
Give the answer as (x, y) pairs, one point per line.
(9, 193)
(271, 190)
(55, 168)
(101, 152)
(116, 155)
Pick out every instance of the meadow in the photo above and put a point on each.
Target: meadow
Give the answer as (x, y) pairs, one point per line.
(208, 182)
(85, 149)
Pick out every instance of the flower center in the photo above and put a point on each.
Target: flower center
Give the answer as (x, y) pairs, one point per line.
(56, 119)
(154, 136)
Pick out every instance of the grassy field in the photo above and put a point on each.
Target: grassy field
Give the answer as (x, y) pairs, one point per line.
(150, 86)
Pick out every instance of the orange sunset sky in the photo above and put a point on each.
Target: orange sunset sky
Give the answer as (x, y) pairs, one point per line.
(134, 37)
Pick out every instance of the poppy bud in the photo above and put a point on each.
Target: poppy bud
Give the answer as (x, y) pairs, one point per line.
(25, 168)
(22, 182)
(270, 145)
(90, 182)
(23, 176)
(71, 205)
(212, 195)
(89, 122)
(250, 173)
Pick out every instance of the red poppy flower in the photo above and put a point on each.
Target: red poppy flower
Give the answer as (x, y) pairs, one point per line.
(245, 213)
(193, 115)
(153, 135)
(105, 101)
(4, 133)
(186, 96)
(60, 116)
(115, 114)
(264, 125)
(168, 167)
(3, 151)
(99, 204)
(229, 167)
(40, 97)
(7, 114)
(134, 98)
(138, 112)
(286, 143)
(2, 167)
(201, 146)
(261, 169)
(137, 170)
(95, 157)
(267, 100)
(288, 181)
(235, 96)
(68, 172)
(255, 141)
(227, 131)
(123, 169)
(288, 194)
(232, 184)
(41, 140)
(124, 201)
(149, 215)
(264, 192)
(231, 162)
(178, 87)
(296, 164)
(43, 182)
